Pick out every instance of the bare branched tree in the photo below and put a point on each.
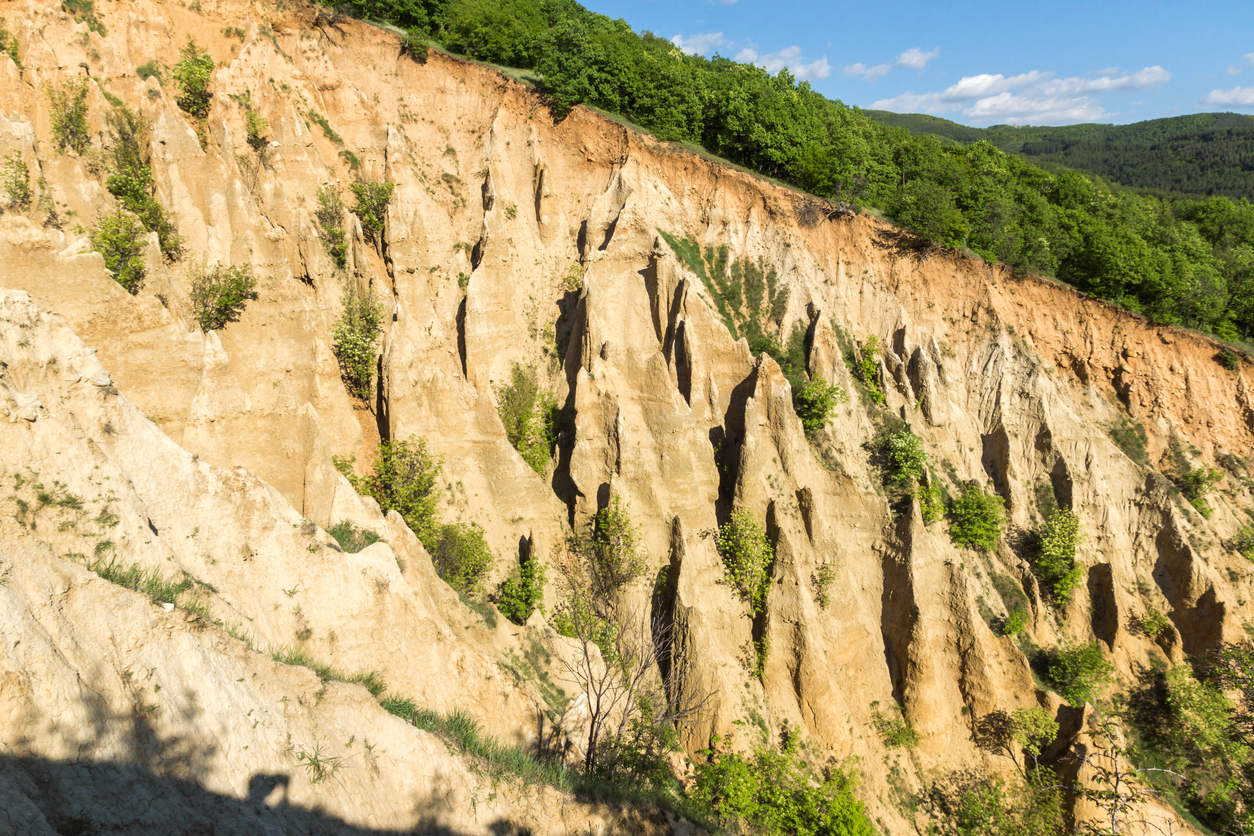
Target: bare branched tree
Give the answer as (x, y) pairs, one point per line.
(633, 710)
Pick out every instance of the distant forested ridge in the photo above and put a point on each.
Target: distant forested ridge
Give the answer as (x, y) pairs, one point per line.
(1179, 261)
(1201, 155)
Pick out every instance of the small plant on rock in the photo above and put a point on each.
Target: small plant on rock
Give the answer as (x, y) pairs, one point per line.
(1153, 624)
(219, 293)
(931, 501)
(8, 44)
(352, 538)
(814, 403)
(1243, 542)
(975, 519)
(330, 217)
(371, 206)
(193, 74)
(747, 555)
(894, 730)
(120, 236)
(907, 461)
(462, 557)
(1198, 482)
(823, 581)
(866, 369)
(69, 115)
(130, 177)
(1078, 671)
(530, 416)
(1055, 561)
(521, 592)
(608, 551)
(405, 480)
(353, 339)
(15, 179)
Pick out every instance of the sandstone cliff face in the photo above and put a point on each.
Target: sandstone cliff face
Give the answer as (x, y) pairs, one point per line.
(514, 239)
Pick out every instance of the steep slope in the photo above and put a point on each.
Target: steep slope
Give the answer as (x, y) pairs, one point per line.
(512, 238)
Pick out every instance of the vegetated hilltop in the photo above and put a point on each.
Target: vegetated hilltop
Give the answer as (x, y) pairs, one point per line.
(385, 453)
(1193, 156)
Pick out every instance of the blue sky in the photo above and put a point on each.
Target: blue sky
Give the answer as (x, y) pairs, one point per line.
(982, 63)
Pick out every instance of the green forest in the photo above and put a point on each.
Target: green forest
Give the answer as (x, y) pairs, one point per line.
(1178, 260)
(1201, 155)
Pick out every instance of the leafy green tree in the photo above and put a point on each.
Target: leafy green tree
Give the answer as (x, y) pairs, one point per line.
(521, 592)
(530, 416)
(1078, 671)
(69, 115)
(975, 519)
(219, 294)
(1055, 558)
(353, 340)
(608, 552)
(405, 479)
(814, 404)
(462, 557)
(130, 177)
(193, 74)
(372, 199)
(120, 236)
(777, 792)
(15, 179)
(747, 555)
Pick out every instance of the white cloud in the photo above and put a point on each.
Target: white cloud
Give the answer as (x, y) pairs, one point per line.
(1007, 108)
(916, 59)
(1236, 97)
(789, 57)
(1028, 98)
(869, 73)
(700, 43)
(1247, 60)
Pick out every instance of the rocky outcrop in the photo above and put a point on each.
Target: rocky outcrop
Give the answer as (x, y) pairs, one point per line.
(515, 239)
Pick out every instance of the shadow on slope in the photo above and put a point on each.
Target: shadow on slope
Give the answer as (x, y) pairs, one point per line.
(43, 797)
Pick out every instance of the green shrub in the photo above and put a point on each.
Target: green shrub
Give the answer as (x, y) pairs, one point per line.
(193, 74)
(975, 519)
(149, 69)
(530, 416)
(255, 127)
(119, 236)
(1078, 672)
(405, 479)
(823, 580)
(747, 555)
(371, 204)
(607, 548)
(1153, 624)
(866, 369)
(351, 538)
(69, 115)
(462, 557)
(906, 459)
(1198, 482)
(326, 127)
(893, 728)
(353, 339)
(15, 179)
(1055, 559)
(1130, 438)
(8, 44)
(931, 501)
(330, 217)
(1228, 358)
(219, 293)
(776, 792)
(85, 10)
(520, 593)
(1014, 623)
(130, 177)
(814, 403)
(1243, 542)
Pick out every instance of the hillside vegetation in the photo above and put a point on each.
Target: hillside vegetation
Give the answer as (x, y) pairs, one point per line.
(1185, 262)
(1200, 155)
